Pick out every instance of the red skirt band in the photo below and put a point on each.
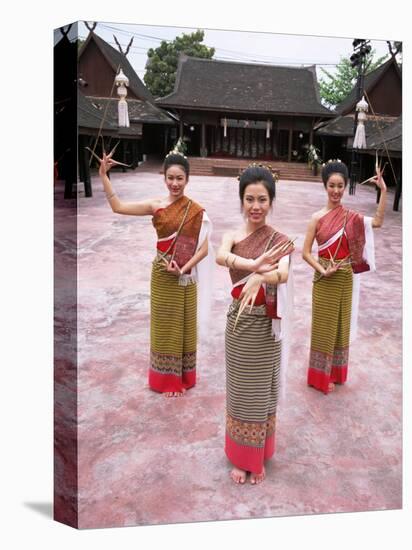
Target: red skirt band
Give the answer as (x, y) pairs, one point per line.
(171, 382)
(249, 458)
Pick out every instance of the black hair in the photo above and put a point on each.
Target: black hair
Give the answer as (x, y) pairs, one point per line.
(257, 174)
(334, 167)
(176, 158)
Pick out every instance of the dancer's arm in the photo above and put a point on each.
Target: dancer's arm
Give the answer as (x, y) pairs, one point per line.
(377, 220)
(224, 257)
(141, 208)
(307, 250)
(252, 286)
(276, 276)
(196, 258)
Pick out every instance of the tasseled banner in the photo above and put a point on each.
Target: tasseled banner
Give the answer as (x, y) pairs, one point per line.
(225, 127)
(359, 141)
(268, 128)
(123, 113)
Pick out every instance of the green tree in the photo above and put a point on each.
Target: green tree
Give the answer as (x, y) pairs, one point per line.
(80, 43)
(162, 62)
(337, 86)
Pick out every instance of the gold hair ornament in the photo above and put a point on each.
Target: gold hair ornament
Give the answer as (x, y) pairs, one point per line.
(275, 174)
(331, 160)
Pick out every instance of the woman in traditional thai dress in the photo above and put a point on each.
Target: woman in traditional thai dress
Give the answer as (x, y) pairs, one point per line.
(345, 249)
(257, 257)
(183, 229)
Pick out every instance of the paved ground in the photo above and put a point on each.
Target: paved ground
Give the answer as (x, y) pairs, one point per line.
(145, 459)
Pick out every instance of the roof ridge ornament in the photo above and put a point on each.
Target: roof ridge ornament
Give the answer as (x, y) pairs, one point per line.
(120, 47)
(64, 31)
(92, 26)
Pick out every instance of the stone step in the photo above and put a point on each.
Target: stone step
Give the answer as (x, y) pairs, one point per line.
(230, 167)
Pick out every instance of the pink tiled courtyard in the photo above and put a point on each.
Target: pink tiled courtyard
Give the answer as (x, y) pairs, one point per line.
(145, 459)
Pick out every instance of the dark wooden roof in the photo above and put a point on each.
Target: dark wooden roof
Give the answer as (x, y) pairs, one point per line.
(115, 58)
(91, 114)
(343, 126)
(392, 134)
(370, 80)
(208, 84)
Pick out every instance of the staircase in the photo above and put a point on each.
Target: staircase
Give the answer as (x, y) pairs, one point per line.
(229, 167)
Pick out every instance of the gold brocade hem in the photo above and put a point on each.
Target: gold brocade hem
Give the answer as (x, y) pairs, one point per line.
(166, 363)
(323, 362)
(252, 434)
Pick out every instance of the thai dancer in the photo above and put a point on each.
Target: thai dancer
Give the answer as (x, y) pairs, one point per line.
(183, 230)
(258, 257)
(345, 249)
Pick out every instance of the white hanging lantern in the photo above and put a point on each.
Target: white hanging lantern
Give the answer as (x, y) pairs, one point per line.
(225, 127)
(359, 141)
(268, 128)
(122, 82)
(121, 79)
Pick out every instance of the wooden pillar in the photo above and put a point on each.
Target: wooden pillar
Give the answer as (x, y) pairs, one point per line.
(311, 136)
(82, 157)
(180, 125)
(135, 154)
(85, 169)
(166, 135)
(290, 144)
(275, 141)
(398, 193)
(124, 152)
(68, 171)
(203, 148)
(396, 177)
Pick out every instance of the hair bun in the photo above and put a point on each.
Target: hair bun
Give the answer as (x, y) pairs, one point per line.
(334, 166)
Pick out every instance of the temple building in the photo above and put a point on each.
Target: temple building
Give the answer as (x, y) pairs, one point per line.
(382, 89)
(98, 65)
(245, 110)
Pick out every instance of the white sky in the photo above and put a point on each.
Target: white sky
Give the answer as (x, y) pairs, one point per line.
(260, 47)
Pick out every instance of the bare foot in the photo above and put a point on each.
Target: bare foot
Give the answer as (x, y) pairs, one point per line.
(257, 478)
(174, 393)
(238, 475)
(331, 386)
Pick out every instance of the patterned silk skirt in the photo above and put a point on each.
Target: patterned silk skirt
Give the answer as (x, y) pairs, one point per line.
(331, 312)
(252, 387)
(172, 332)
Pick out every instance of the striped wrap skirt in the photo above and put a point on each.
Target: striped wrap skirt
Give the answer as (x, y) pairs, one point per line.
(172, 332)
(252, 387)
(331, 313)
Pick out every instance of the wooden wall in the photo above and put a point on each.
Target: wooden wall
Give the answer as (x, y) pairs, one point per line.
(98, 73)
